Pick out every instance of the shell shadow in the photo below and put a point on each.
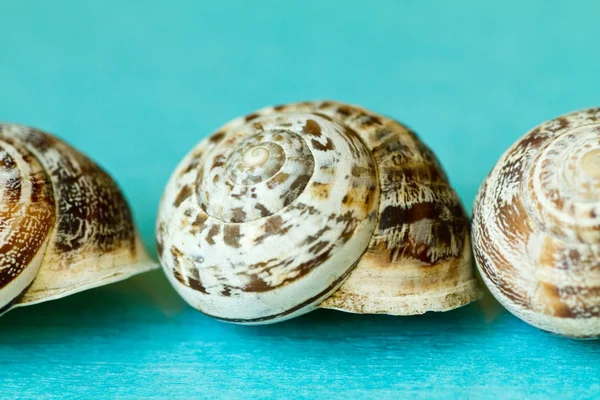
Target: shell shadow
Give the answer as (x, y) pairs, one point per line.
(141, 298)
(473, 319)
(149, 299)
(477, 322)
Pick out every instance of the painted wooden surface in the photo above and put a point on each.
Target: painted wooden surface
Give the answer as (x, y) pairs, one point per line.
(136, 84)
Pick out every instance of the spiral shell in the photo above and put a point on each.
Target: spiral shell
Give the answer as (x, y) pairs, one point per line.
(536, 226)
(64, 224)
(269, 216)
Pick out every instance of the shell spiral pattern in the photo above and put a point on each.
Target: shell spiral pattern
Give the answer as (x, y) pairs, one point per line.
(536, 227)
(270, 215)
(64, 224)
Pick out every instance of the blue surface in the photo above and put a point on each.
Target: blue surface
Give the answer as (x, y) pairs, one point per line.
(136, 84)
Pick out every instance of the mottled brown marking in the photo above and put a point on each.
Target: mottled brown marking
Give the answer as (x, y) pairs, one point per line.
(183, 194)
(231, 235)
(563, 123)
(212, 232)
(273, 225)
(11, 193)
(353, 139)
(370, 120)
(320, 190)
(86, 197)
(217, 137)
(421, 173)
(312, 238)
(328, 146)
(574, 257)
(442, 237)
(393, 216)
(196, 284)
(349, 221)
(177, 257)
(318, 247)
(308, 266)
(193, 164)
(264, 212)
(250, 117)
(384, 134)
(219, 161)
(344, 110)
(549, 298)
(358, 171)
(489, 270)
(7, 162)
(239, 215)
(25, 226)
(369, 201)
(40, 140)
(277, 180)
(258, 284)
(299, 183)
(312, 128)
(308, 301)
(91, 209)
(550, 248)
(199, 222)
(178, 276)
(533, 140)
(193, 281)
(305, 208)
(401, 151)
(324, 116)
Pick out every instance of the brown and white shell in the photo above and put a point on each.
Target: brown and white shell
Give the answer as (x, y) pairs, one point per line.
(315, 204)
(536, 226)
(64, 224)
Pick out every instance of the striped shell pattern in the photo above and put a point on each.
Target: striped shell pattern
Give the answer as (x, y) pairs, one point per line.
(315, 204)
(64, 224)
(536, 227)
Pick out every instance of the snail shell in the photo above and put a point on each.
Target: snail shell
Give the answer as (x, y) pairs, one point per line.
(536, 226)
(269, 216)
(64, 224)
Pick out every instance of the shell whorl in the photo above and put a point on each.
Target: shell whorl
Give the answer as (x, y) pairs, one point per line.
(268, 216)
(536, 227)
(562, 186)
(26, 217)
(64, 224)
(257, 223)
(256, 174)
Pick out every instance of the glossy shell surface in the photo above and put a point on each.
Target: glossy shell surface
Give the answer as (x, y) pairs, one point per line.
(536, 227)
(271, 214)
(64, 224)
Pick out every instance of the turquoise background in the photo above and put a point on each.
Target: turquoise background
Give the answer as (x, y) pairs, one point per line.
(135, 84)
